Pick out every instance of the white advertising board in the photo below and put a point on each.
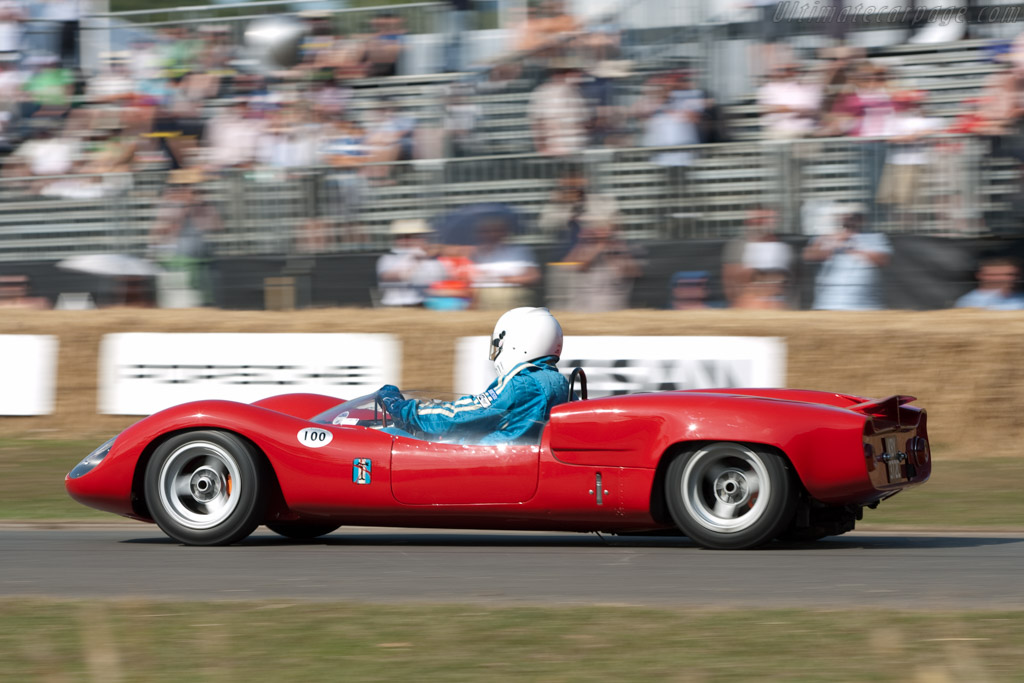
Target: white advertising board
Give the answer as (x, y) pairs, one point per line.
(28, 374)
(141, 373)
(626, 365)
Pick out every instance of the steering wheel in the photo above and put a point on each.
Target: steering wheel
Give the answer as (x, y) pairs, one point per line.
(378, 405)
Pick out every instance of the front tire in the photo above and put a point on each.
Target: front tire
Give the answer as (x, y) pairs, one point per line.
(730, 496)
(206, 488)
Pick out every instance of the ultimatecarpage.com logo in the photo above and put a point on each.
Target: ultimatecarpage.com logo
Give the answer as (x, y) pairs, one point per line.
(865, 13)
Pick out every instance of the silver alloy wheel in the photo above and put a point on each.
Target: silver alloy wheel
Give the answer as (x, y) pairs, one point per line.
(725, 487)
(199, 484)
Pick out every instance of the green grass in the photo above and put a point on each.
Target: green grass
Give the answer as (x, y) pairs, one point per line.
(976, 493)
(275, 641)
(32, 480)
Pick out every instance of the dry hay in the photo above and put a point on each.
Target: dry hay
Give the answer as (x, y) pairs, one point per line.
(962, 365)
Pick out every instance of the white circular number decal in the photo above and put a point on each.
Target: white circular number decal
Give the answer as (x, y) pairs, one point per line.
(314, 438)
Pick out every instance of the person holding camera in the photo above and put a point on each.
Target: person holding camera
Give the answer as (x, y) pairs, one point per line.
(604, 267)
(407, 271)
(850, 277)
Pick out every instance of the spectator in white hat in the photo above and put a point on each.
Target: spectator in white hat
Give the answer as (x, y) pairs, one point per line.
(405, 272)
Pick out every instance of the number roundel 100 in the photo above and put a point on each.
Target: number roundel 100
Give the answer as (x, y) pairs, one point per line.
(313, 437)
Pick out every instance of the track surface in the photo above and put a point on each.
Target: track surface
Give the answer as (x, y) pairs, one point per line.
(933, 571)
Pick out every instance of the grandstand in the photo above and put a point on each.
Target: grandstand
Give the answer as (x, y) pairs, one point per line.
(727, 180)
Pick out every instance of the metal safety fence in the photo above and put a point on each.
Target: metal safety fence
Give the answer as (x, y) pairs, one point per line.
(945, 186)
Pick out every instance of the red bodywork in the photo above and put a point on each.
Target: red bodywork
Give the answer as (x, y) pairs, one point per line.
(835, 443)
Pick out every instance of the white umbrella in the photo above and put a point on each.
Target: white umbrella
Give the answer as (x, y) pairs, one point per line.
(116, 265)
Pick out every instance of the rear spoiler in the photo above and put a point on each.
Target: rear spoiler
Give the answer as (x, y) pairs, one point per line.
(886, 410)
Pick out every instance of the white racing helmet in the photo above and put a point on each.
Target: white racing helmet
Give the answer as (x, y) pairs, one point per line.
(524, 334)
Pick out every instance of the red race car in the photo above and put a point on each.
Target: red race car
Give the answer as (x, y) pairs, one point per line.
(728, 468)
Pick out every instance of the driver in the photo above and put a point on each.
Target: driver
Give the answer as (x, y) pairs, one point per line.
(525, 346)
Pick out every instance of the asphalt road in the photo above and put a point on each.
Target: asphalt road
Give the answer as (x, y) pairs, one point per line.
(933, 571)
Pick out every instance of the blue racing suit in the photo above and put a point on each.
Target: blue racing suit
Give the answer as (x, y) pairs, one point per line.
(513, 408)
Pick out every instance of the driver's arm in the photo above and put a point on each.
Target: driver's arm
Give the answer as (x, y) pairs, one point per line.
(483, 412)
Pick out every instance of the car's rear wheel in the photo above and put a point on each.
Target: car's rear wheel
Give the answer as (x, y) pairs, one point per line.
(730, 496)
(206, 488)
(302, 531)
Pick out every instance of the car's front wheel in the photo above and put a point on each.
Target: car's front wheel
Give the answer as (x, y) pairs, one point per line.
(206, 487)
(730, 496)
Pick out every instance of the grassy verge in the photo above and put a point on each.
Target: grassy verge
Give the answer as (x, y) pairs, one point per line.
(32, 480)
(159, 641)
(978, 493)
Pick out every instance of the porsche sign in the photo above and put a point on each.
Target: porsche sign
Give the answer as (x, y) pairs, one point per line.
(141, 373)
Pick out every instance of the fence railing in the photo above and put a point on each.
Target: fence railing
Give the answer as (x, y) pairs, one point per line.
(945, 186)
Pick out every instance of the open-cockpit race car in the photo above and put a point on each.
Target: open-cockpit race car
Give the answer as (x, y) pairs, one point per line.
(728, 468)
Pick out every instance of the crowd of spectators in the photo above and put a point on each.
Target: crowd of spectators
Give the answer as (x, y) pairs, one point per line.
(189, 100)
(179, 98)
(167, 90)
(758, 271)
(192, 98)
(843, 93)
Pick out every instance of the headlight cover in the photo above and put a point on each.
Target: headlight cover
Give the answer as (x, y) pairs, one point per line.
(90, 461)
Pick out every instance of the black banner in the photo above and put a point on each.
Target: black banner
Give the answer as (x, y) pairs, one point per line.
(925, 273)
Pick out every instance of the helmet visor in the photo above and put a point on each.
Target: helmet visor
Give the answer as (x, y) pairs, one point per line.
(496, 347)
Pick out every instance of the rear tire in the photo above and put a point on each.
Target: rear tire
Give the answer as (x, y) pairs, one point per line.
(302, 531)
(206, 487)
(730, 496)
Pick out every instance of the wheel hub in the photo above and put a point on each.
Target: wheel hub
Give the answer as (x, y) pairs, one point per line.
(731, 487)
(206, 484)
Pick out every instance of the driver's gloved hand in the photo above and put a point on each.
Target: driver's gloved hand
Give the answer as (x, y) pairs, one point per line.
(390, 395)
